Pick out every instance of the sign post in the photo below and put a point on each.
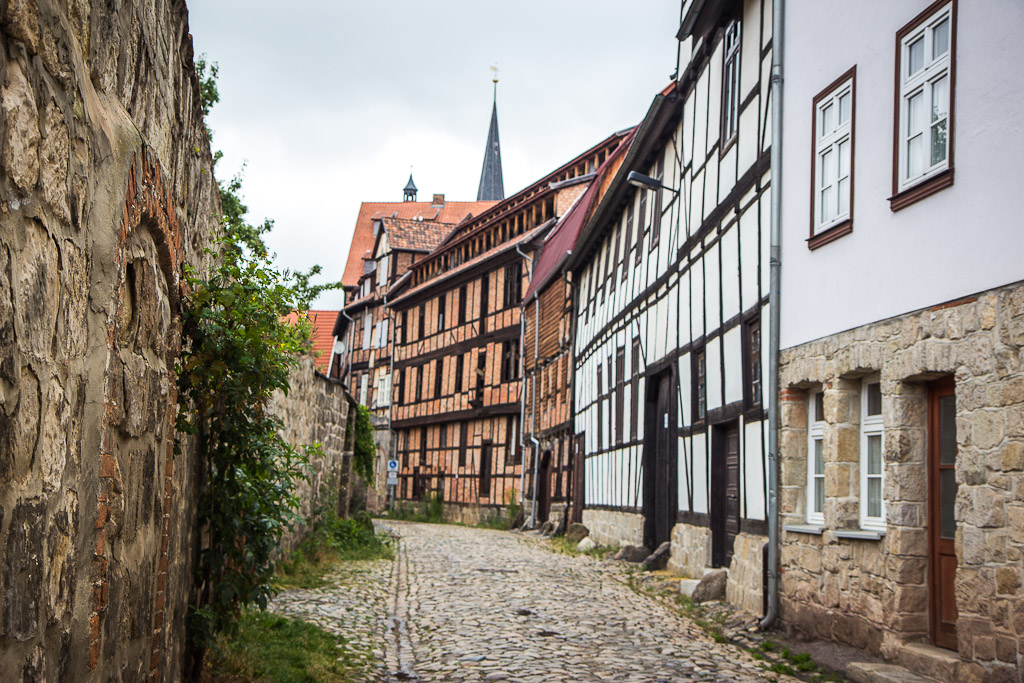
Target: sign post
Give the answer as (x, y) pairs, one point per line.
(392, 481)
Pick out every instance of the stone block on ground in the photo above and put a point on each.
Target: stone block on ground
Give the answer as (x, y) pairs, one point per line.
(586, 544)
(631, 553)
(687, 586)
(711, 587)
(547, 528)
(659, 558)
(518, 520)
(576, 532)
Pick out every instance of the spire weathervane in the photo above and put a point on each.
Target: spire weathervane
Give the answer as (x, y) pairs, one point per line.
(495, 79)
(492, 186)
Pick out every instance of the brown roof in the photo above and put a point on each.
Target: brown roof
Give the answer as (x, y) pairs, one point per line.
(362, 236)
(413, 235)
(322, 335)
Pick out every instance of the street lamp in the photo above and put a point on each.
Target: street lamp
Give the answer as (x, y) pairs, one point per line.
(646, 182)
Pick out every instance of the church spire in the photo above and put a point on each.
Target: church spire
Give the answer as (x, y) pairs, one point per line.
(492, 187)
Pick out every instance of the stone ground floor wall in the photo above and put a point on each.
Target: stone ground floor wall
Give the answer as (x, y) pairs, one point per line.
(873, 591)
(745, 587)
(691, 550)
(316, 410)
(612, 527)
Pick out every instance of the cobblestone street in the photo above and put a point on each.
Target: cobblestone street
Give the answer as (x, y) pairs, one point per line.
(472, 604)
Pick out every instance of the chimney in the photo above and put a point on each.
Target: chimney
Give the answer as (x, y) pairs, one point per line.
(437, 201)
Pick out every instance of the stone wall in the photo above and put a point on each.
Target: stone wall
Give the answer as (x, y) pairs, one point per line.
(106, 191)
(611, 527)
(316, 410)
(691, 550)
(745, 587)
(874, 593)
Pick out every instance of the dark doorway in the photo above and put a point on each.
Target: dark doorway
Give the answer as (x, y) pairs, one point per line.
(659, 463)
(725, 492)
(576, 483)
(485, 469)
(942, 489)
(544, 487)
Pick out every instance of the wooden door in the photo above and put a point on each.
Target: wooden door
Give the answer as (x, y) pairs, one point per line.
(659, 463)
(544, 488)
(942, 489)
(576, 483)
(725, 493)
(485, 470)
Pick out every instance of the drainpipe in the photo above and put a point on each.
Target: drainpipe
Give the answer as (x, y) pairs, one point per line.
(391, 389)
(522, 389)
(773, 313)
(533, 409)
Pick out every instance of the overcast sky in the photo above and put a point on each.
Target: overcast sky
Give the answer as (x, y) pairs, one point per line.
(330, 102)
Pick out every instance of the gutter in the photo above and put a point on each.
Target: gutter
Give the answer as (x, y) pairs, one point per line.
(773, 313)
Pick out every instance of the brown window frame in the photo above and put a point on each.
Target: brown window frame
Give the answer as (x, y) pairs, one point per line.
(484, 303)
(459, 369)
(700, 385)
(753, 384)
(400, 389)
(422, 324)
(845, 227)
(642, 228)
(438, 376)
(463, 437)
(440, 312)
(940, 181)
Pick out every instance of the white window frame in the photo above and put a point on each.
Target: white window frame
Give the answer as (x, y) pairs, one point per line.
(364, 385)
(731, 82)
(871, 426)
(829, 143)
(933, 69)
(367, 329)
(815, 435)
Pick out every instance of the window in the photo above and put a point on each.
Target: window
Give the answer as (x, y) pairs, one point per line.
(438, 377)
(367, 329)
(463, 435)
(423, 445)
(401, 386)
(754, 362)
(513, 453)
(600, 406)
(925, 65)
(364, 386)
(617, 262)
(484, 295)
(444, 436)
(620, 391)
(641, 229)
(462, 305)
(700, 405)
(419, 384)
(510, 360)
(459, 363)
(629, 236)
(659, 173)
(832, 186)
(423, 321)
(872, 468)
(440, 312)
(731, 84)
(403, 327)
(634, 391)
(513, 284)
(816, 458)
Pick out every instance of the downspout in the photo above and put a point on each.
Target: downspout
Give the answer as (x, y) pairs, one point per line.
(522, 391)
(533, 409)
(348, 350)
(773, 313)
(391, 389)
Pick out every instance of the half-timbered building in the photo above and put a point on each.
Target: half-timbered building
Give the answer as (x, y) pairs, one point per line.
(671, 287)
(388, 237)
(547, 356)
(902, 459)
(457, 359)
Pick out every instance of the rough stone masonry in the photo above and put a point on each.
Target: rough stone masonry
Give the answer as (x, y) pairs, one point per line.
(106, 192)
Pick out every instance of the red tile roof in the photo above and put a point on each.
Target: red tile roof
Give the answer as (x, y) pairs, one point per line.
(362, 236)
(322, 336)
(413, 235)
